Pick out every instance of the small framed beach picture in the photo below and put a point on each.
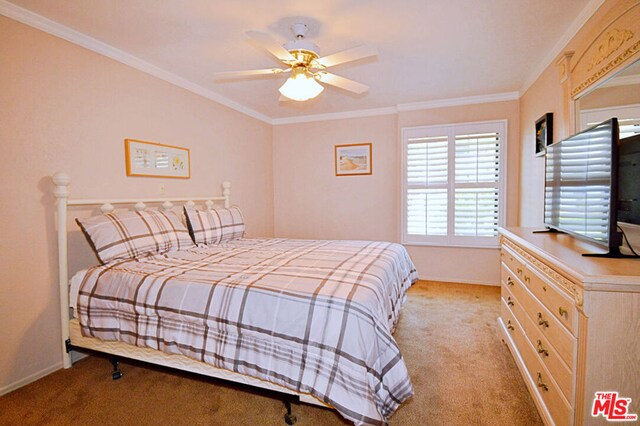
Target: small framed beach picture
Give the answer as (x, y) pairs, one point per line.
(152, 159)
(353, 159)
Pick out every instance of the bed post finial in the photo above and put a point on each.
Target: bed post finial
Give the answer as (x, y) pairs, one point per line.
(62, 181)
(226, 192)
(61, 192)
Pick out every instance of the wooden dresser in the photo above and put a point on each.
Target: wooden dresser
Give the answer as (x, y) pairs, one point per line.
(571, 322)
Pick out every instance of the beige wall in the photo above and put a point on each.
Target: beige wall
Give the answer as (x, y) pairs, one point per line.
(311, 202)
(546, 95)
(65, 108)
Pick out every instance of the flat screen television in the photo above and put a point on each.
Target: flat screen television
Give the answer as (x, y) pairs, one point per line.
(629, 180)
(581, 186)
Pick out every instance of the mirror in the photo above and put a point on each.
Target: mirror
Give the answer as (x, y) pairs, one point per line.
(618, 96)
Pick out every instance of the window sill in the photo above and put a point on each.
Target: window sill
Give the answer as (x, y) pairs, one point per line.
(495, 246)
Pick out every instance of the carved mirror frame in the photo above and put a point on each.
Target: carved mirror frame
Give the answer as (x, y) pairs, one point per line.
(615, 47)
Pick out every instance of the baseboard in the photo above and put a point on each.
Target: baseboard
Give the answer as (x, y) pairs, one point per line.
(449, 280)
(29, 379)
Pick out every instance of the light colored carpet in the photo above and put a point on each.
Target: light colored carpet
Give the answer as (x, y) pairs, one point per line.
(461, 371)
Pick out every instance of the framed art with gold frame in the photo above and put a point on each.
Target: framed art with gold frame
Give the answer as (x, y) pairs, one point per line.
(353, 159)
(151, 159)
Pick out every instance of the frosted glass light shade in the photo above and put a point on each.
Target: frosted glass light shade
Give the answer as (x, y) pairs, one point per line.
(301, 87)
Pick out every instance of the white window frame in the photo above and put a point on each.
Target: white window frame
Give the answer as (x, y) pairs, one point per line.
(597, 115)
(450, 240)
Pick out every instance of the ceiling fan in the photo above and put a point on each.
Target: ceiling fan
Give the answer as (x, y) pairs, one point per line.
(306, 67)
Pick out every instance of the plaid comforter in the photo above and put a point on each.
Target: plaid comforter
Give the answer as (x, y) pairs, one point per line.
(312, 316)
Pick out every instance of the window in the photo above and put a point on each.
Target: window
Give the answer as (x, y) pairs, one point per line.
(628, 118)
(453, 184)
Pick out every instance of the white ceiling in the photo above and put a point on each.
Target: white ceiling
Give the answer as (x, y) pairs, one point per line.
(428, 49)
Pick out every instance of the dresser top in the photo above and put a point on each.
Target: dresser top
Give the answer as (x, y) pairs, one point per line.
(565, 253)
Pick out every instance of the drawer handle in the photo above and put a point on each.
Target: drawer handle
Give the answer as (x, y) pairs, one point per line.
(542, 321)
(563, 312)
(519, 271)
(541, 384)
(527, 279)
(544, 287)
(509, 301)
(509, 281)
(542, 350)
(509, 326)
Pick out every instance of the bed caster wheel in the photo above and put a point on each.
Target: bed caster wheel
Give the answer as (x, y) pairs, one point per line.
(290, 419)
(116, 374)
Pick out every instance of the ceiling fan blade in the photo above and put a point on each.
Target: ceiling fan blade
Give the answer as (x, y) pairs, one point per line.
(266, 41)
(248, 73)
(343, 83)
(348, 55)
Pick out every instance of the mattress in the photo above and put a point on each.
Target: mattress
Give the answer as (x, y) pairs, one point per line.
(74, 287)
(310, 315)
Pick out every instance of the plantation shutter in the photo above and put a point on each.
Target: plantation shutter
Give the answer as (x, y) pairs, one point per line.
(628, 126)
(451, 184)
(427, 174)
(477, 174)
(628, 118)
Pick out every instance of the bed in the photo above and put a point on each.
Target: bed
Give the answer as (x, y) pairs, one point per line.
(309, 318)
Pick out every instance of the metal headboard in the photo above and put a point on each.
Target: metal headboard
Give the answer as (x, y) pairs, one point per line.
(61, 192)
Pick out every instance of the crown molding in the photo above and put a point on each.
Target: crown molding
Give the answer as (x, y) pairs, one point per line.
(467, 100)
(32, 19)
(582, 18)
(371, 112)
(414, 106)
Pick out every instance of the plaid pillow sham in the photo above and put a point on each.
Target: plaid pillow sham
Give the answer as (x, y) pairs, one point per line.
(132, 234)
(214, 226)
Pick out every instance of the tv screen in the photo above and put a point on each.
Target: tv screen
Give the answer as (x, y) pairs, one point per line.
(581, 184)
(629, 180)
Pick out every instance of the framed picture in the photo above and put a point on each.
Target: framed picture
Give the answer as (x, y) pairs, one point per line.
(156, 160)
(544, 133)
(353, 159)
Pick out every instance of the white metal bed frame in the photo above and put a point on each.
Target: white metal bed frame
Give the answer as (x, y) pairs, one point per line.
(71, 334)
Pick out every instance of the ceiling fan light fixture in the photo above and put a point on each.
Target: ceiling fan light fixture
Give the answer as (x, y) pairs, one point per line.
(301, 86)
(300, 57)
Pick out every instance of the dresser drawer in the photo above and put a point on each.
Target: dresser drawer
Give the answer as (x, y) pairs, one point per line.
(546, 388)
(562, 374)
(548, 325)
(513, 262)
(561, 305)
